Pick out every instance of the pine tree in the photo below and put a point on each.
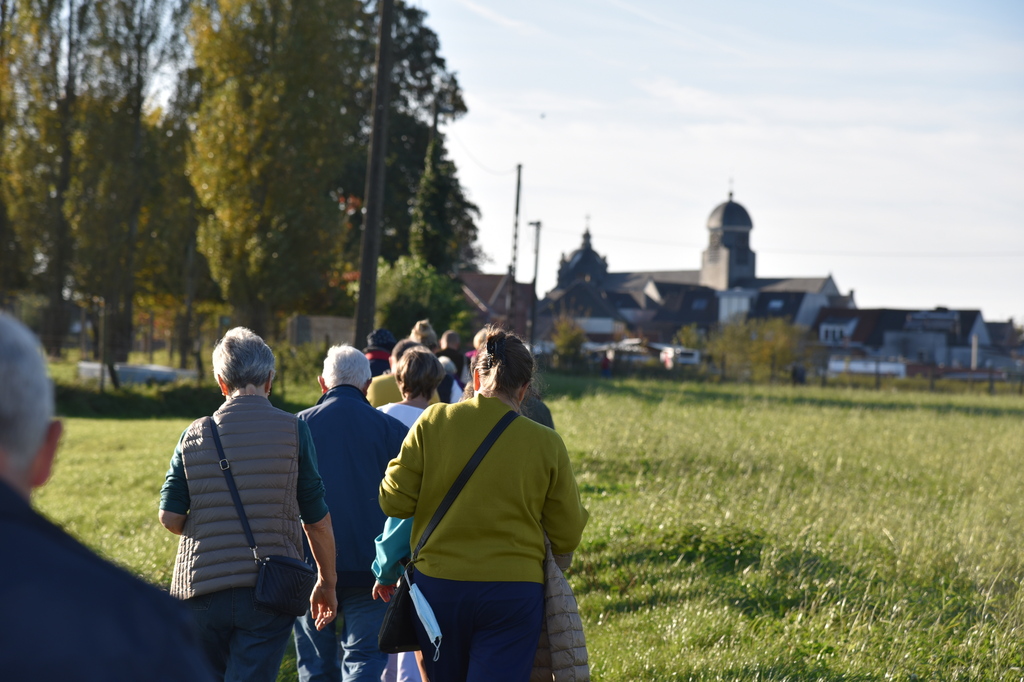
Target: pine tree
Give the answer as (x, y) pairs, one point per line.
(442, 218)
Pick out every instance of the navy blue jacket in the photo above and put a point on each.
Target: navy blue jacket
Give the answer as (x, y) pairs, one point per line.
(66, 614)
(354, 443)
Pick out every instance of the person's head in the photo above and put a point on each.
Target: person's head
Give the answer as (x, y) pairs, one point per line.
(345, 365)
(28, 433)
(504, 366)
(424, 333)
(380, 338)
(241, 359)
(418, 373)
(448, 364)
(481, 336)
(450, 340)
(399, 350)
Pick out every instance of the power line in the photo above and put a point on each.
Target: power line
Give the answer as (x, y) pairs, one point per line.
(892, 254)
(472, 158)
(778, 252)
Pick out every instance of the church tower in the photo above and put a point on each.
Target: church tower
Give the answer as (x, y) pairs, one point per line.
(728, 259)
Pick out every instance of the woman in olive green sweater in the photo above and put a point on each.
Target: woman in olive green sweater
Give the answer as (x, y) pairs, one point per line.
(482, 569)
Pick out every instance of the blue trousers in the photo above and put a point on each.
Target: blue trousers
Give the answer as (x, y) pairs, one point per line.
(346, 650)
(243, 641)
(489, 630)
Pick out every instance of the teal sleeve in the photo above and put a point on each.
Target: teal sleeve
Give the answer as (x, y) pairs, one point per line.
(310, 492)
(174, 493)
(392, 546)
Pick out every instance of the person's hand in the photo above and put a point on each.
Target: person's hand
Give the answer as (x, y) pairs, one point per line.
(323, 604)
(384, 592)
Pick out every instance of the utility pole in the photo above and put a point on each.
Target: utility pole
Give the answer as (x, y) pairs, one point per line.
(536, 264)
(510, 289)
(373, 197)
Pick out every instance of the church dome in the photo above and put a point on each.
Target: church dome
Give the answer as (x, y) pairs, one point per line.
(583, 264)
(729, 214)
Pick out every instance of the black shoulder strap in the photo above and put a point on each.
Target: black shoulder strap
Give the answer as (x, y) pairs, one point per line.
(225, 466)
(467, 471)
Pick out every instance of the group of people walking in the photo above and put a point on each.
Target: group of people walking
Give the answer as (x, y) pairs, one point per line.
(350, 485)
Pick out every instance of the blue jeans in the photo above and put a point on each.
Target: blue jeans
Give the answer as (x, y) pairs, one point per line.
(353, 635)
(242, 640)
(490, 630)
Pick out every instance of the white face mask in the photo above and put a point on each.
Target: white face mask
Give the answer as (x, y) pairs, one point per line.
(426, 615)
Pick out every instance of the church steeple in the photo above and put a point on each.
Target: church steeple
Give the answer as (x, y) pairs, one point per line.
(728, 260)
(583, 264)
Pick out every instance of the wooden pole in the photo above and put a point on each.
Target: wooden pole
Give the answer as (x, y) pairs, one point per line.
(373, 197)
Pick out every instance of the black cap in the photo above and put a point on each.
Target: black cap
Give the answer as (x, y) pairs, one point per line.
(381, 338)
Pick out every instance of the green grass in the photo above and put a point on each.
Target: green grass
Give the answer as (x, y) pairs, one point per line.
(767, 533)
(797, 534)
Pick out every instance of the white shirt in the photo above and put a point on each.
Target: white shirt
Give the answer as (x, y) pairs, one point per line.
(407, 414)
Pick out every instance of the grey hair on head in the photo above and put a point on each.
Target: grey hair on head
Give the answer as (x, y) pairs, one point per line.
(242, 358)
(345, 365)
(26, 394)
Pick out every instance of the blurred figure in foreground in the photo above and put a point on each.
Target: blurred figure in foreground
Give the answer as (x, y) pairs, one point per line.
(124, 629)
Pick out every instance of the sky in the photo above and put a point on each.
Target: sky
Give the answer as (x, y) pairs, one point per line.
(879, 142)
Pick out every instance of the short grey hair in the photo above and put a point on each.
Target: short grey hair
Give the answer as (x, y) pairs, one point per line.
(242, 358)
(345, 365)
(26, 394)
(448, 364)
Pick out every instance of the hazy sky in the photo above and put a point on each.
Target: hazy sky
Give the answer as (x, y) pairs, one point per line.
(880, 142)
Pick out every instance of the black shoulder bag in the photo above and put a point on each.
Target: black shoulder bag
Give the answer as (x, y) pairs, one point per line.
(397, 632)
(283, 584)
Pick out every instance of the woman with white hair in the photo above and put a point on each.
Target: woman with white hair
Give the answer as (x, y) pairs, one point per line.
(271, 456)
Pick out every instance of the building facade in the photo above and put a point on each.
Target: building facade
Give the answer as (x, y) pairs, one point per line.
(656, 304)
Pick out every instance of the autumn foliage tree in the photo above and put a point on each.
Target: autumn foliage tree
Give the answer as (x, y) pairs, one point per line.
(149, 148)
(757, 350)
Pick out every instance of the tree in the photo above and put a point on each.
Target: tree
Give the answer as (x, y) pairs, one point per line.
(13, 260)
(269, 144)
(422, 91)
(568, 337)
(443, 230)
(409, 290)
(757, 349)
(47, 46)
(114, 165)
(691, 336)
(174, 273)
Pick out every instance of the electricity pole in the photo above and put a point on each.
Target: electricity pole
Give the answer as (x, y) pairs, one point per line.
(536, 265)
(373, 197)
(510, 291)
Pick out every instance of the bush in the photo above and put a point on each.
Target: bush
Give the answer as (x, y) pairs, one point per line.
(568, 338)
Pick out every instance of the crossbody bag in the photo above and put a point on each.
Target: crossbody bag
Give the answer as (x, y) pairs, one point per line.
(397, 632)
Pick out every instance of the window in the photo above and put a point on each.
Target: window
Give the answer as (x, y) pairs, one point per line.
(700, 304)
(775, 304)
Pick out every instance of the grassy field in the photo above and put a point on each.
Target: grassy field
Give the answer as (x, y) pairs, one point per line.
(736, 532)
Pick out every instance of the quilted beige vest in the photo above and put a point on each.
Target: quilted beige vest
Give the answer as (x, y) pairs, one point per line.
(262, 445)
(562, 651)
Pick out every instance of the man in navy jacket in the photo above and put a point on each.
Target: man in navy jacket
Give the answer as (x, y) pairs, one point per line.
(354, 443)
(66, 614)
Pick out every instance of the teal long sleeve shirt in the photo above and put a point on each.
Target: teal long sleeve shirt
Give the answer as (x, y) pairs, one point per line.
(174, 496)
(393, 545)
